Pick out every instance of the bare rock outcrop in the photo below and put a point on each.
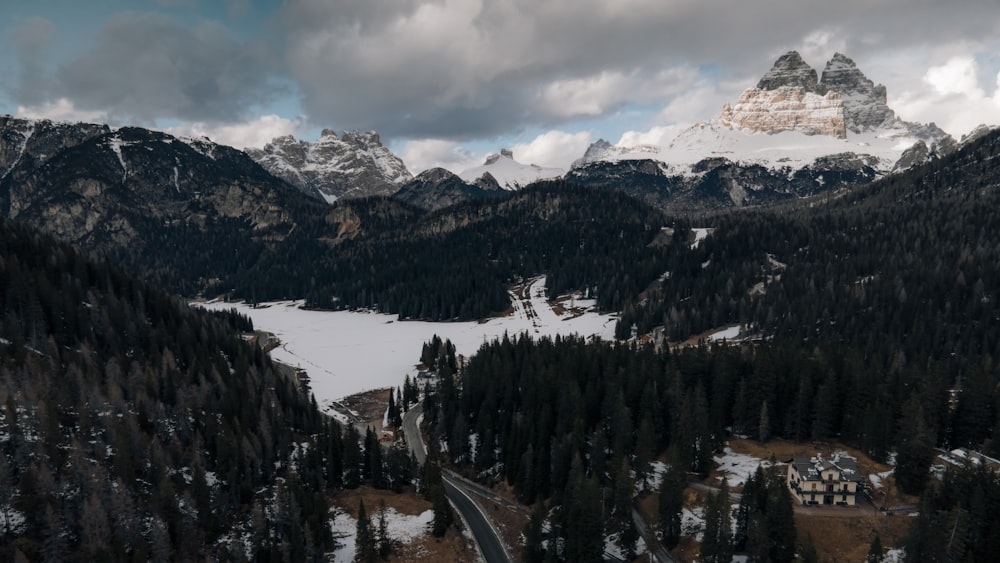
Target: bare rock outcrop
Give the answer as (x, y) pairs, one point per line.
(786, 108)
(356, 164)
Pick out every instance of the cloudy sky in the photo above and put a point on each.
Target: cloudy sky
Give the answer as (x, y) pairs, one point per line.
(447, 81)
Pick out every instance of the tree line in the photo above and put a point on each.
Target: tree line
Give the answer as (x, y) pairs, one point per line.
(136, 427)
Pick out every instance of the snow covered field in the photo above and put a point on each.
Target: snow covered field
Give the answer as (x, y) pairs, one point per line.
(402, 528)
(346, 352)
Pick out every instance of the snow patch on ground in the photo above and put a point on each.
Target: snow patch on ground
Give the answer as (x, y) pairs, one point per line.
(897, 555)
(613, 548)
(346, 352)
(700, 234)
(344, 528)
(738, 467)
(403, 528)
(877, 478)
(726, 334)
(655, 477)
(693, 523)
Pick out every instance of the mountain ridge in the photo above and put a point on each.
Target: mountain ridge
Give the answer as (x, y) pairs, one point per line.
(355, 164)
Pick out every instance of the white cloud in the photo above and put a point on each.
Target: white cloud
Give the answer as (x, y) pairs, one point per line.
(960, 75)
(553, 149)
(424, 154)
(62, 109)
(256, 133)
(701, 102)
(608, 90)
(658, 136)
(950, 94)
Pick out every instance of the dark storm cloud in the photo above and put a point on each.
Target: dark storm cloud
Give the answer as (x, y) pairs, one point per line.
(146, 66)
(31, 42)
(466, 68)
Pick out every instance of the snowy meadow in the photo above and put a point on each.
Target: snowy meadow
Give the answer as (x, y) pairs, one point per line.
(346, 352)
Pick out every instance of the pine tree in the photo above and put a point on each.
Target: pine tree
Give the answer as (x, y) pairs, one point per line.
(716, 545)
(914, 447)
(780, 519)
(764, 426)
(533, 552)
(875, 551)
(384, 544)
(671, 506)
(364, 540)
(352, 458)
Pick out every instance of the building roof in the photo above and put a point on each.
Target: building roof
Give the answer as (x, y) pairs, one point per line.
(813, 468)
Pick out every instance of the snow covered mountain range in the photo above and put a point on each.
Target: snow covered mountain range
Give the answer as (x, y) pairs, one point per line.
(790, 119)
(793, 134)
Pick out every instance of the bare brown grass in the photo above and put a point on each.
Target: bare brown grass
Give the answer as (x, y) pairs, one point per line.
(454, 546)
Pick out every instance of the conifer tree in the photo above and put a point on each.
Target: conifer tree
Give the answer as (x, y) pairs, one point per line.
(364, 540)
(384, 544)
(716, 545)
(533, 552)
(875, 551)
(671, 505)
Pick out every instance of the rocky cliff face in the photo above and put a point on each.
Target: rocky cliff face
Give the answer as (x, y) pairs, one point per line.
(786, 108)
(865, 106)
(352, 165)
(33, 142)
(790, 98)
(791, 70)
(719, 183)
(438, 188)
(170, 207)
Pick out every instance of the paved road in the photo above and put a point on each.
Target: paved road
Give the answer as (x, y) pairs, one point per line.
(455, 488)
(657, 550)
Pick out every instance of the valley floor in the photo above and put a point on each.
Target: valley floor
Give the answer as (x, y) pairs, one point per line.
(346, 352)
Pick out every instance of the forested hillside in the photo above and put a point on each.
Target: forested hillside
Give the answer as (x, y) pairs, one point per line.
(876, 324)
(457, 263)
(134, 427)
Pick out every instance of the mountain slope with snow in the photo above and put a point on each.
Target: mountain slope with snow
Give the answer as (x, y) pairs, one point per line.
(508, 173)
(352, 165)
(791, 119)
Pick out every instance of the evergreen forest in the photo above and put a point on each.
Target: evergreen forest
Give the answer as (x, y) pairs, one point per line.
(135, 427)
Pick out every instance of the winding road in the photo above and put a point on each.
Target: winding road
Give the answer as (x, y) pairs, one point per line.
(455, 488)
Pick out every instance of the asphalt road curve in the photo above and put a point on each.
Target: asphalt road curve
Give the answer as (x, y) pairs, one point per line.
(486, 536)
(484, 533)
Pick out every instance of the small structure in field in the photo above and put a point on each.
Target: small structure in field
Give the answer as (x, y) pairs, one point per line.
(834, 481)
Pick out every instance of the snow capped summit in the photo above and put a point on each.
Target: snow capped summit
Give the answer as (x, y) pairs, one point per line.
(790, 119)
(354, 165)
(510, 174)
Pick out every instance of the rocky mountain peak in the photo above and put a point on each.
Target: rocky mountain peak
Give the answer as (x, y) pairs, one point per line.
(494, 158)
(791, 70)
(362, 138)
(356, 164)
(865, 106)
(508, 173)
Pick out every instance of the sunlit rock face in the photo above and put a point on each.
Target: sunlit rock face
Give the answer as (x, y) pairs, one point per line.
(353, 165)
(786, 108)
(790, 97)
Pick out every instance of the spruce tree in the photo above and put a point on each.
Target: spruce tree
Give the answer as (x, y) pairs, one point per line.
(671, 505)
(875, 551)
(384, 544)
(716, 545)
(364, 540)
